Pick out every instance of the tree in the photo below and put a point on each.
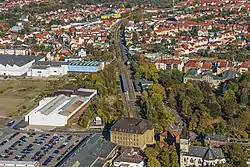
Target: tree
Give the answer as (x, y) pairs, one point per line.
(173, 157)
(164, 158)
(153, 162)
(236, 154)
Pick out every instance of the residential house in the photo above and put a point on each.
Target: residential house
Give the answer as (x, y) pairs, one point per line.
(165, 64)
(129, 157)
(244, 67)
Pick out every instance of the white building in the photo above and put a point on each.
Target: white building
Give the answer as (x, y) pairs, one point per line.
(57, 110)
(199, 156)
(15, 65)
(129, 158)
(19, 163)
(47, 69)
(165, 64)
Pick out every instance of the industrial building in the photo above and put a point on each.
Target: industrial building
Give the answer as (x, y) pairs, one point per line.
(17, 65)
(57, 110)
(47, 69)
(132, 132)
(85, 66)
(51, 68)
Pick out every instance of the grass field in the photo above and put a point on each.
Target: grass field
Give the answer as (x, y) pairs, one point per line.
(17, 97)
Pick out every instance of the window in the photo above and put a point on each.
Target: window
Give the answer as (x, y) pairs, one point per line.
(55, 71)
(185, 160)
(39, 72)
(199, 161)
(191, 160)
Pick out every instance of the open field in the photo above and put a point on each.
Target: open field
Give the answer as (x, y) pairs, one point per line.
(19, 96)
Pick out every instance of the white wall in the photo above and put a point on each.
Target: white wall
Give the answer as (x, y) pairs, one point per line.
(46, 120)
(50, 71)
(15, 70)
(130, 164)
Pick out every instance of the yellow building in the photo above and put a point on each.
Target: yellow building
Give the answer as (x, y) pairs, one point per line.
(117, 15)
(132, 132)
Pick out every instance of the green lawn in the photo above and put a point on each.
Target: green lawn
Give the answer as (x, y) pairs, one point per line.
(17, 97)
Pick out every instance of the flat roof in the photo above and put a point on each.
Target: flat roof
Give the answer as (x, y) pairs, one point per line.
(84, 63)
(93, 152)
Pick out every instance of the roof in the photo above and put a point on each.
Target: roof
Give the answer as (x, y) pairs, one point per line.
(49, 63)
(169, 61)
(18, 60)
(245, 64)
(216, 137)
(129, 155)
(131, 125)
(84, 63)
(92, 152)
(207, 65)
(18, 162)
(206, 153)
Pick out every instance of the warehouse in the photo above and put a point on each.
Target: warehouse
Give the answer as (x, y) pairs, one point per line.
(47, 69)
(57, 110)
(16, 65)
(85, 66)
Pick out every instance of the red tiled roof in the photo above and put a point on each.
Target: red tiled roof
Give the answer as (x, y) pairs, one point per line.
(207, 65)
(245, 64)
(169, 61)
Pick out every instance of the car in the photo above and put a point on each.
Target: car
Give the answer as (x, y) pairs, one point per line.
(56, 152)
(11, 153)
(11, 122)
(6, 151)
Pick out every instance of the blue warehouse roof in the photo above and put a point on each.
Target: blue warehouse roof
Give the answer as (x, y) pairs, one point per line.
(84, 63)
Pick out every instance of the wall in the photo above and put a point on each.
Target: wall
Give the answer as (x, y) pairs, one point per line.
(15, 70)
(49, 120)
(86, 69)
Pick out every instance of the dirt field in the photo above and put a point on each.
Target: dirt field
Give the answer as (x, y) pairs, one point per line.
(17, 97)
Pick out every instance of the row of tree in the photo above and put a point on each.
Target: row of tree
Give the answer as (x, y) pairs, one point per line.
(108, 104)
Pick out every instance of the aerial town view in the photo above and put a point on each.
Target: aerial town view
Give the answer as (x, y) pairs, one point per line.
(124, 83)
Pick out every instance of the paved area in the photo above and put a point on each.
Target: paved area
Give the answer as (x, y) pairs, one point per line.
(47, 148)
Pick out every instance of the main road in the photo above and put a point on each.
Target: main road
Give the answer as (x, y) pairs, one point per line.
(129, 98)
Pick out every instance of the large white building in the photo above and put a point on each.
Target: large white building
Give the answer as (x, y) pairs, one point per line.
(57, 110)
(16, 65)
(47, 69)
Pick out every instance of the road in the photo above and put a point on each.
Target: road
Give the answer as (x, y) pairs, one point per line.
(129, 98)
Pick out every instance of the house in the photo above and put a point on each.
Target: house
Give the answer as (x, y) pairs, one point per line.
(198, 155)
(165, 64)
(132, 132)
(216, 140)
(213, 80)
(244, 67)
(58, 110)
(15, 65)
(191, 64)
(129, 157)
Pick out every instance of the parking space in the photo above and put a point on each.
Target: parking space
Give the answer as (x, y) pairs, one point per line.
(47, 148)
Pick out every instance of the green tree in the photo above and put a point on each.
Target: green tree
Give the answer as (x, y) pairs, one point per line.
(153, 162)
(236, 154)
(164, 158)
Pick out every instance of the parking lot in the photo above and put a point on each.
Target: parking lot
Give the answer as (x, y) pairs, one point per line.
(47, 148)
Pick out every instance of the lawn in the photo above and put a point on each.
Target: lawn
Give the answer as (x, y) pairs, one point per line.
(17, 97)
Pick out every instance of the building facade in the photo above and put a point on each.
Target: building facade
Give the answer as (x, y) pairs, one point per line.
(132, 132)
(58, 110)
(15, 65)
(199, 156)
